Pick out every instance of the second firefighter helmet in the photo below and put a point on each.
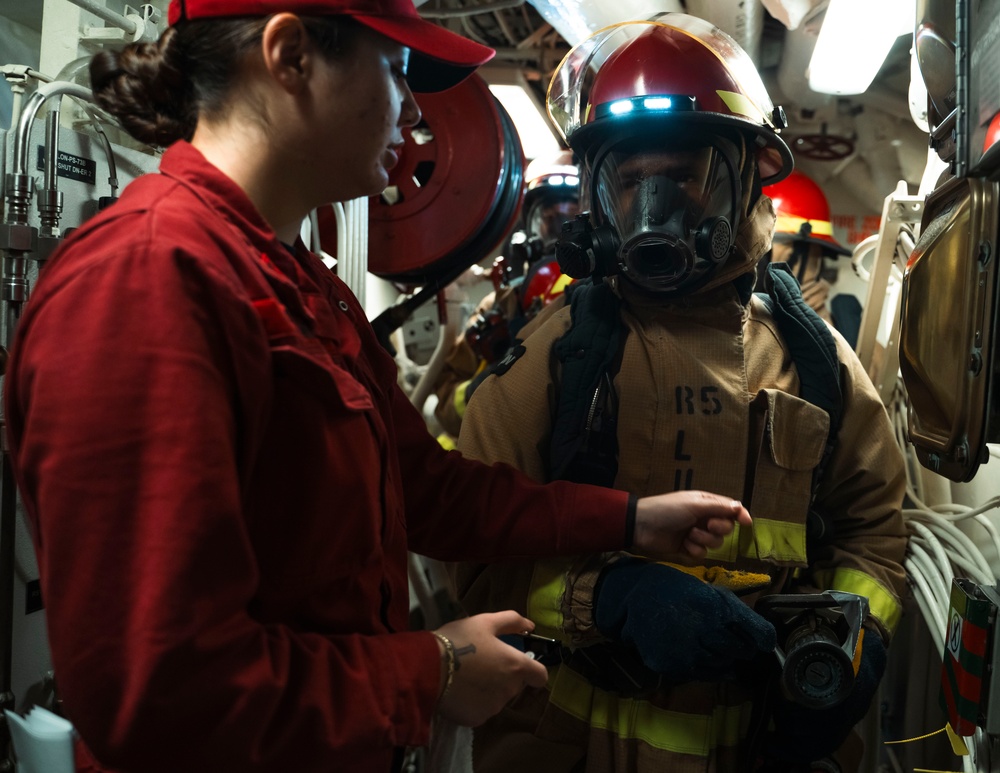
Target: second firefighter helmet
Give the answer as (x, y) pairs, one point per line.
(552, 195)
(803, 213)
(674, 129)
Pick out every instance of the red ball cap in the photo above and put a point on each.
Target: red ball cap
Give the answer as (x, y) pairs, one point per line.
(440, 59)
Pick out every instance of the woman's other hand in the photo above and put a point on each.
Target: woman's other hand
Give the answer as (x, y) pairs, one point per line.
(487, 673)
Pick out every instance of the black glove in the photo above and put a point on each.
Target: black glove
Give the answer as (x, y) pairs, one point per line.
(804, 735)
(681, 627)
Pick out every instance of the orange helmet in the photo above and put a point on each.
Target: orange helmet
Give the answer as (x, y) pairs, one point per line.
(803, 213)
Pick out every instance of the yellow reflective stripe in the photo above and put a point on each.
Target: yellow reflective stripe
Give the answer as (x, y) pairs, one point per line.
(628, 718)
(741, 105)
(881, 601)
(560, 284)
(446, 441)
(459, 399)
(545, 596)
(776, 540)
(792, 224)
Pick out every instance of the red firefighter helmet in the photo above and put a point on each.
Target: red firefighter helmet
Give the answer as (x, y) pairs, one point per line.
(667, 116)
(803, 213)
(675, 73)
(543, 284)
(559, 172)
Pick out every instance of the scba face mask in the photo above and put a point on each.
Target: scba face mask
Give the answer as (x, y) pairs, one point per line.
(674, 213)
(545, 218)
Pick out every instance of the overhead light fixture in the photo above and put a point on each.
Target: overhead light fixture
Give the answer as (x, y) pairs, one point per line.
(853, 42)
(533, 128)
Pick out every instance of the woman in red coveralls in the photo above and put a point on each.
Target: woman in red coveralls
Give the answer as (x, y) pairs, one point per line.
(222, 474)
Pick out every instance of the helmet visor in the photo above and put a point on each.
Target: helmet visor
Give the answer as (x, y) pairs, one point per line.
(567, 97)
(545, 218)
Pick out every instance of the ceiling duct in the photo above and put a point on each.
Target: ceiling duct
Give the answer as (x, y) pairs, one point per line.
(791, 13)
(743, 21)
(791, 75)
(576, 20)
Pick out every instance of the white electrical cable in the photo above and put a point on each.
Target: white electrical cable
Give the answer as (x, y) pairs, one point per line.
(965, 567)
(961, 512)
(365, 241)
(940, 589)
(935, 590)
(358, 218)
(965, 554)
(316, 241)
(924, 536)
(352, 245)
(935, 619)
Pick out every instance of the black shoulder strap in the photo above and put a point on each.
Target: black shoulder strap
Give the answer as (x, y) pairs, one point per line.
(586, 353)
(810, 342)
(813, 350)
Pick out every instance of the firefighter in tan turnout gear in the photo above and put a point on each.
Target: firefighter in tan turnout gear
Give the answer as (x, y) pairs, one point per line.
(526, 280)
(664, 371)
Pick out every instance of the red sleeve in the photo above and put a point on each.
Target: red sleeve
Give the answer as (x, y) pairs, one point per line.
(459, 509)
(128, 429)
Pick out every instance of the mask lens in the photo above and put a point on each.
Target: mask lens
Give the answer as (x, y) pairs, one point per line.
(637, 188)
(546, 218)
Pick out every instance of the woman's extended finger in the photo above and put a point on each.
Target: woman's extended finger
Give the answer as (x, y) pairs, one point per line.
(510, 621)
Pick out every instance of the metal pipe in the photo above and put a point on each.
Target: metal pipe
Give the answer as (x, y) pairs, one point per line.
(32, 105)
(69, 73)
(15, 293)
(52, 147)
(107, 15)
(16, 76)
(508, 33)
(454, 13)
(108, 152)
(50, 200)
(74, 68)
(575, 21)
(19, 182)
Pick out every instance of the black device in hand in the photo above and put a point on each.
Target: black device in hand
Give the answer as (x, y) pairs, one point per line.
(541, 648)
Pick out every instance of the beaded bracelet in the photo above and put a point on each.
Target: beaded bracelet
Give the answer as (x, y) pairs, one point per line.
(449, 651)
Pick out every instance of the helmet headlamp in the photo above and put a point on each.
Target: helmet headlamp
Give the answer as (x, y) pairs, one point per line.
(651, 103)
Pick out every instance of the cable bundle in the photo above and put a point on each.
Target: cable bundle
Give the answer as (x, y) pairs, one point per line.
(939, 550)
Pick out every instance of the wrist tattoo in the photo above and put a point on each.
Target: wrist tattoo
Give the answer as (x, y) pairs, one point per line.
(468, 649)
